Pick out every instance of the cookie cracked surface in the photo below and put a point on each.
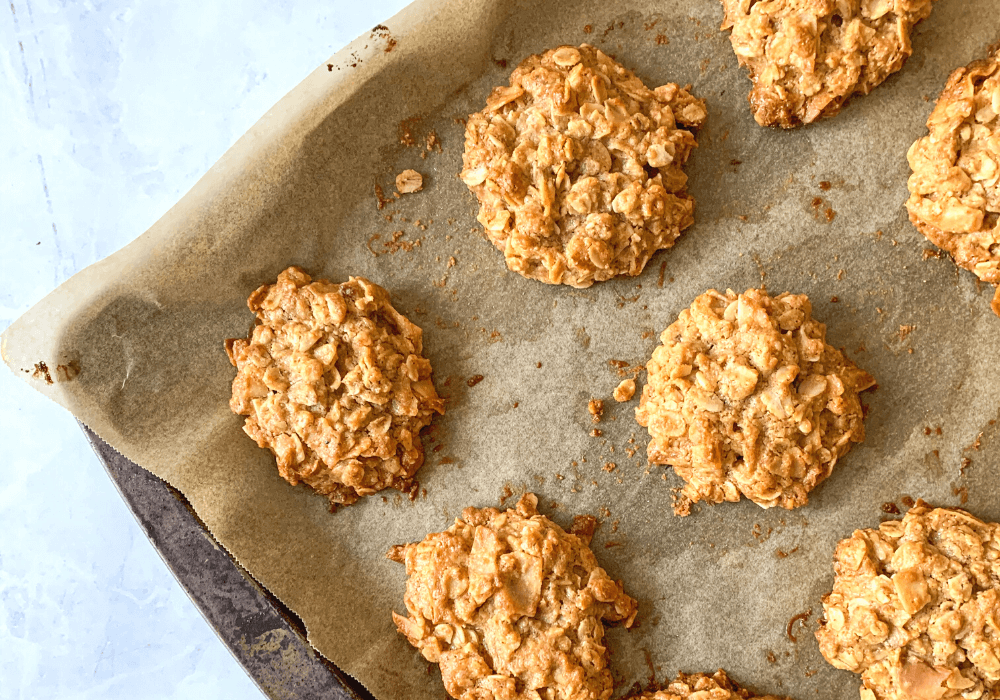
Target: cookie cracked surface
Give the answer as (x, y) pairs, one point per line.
(745, 397)
(915, 607)
(700, 686)
(578, 167)
(955, 186)
(333, 382)
(511, 607)
(807, 57)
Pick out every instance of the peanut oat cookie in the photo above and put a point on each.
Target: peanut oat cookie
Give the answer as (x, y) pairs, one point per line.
(333, 381)
(699, 686)
(578, 167)
(955, 186)
(915, 607)
(511, 607)
(744, 396)
(807, 57)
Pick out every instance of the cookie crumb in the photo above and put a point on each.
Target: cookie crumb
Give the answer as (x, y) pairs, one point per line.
(596, 409)
(625, 391)
(801, 617)
(409, 181)
(42, 372)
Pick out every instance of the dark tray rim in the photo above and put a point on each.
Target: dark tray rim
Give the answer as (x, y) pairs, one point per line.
(240, 611)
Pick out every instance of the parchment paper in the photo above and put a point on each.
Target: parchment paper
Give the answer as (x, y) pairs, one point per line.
(146, 328)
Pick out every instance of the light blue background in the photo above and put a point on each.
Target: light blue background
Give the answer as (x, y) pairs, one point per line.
(109, 112)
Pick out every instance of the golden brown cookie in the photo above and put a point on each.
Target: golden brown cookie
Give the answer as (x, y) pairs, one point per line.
(915, 607)
(807, 57)
(511, 607)
(578, 167)
(745, 397)
(333, 381)
(955, 186)
(699, 686)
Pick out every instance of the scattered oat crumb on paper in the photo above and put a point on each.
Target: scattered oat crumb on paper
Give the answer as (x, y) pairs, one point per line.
(700, 686)
(955, 186)
(332, 380)
(596, 409)
(42, 372)
(624, 391)
(914, 607)
(511, 606)
(409, 181)
(578, 167)
(745, 397)
(807, 57)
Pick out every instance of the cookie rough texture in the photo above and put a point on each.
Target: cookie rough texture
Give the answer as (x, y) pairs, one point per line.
(915, 607)
(699, 686)
(578, 167)
(511, 607)
(744, 396)
(955, 186)
(807, 57)
(332, 380)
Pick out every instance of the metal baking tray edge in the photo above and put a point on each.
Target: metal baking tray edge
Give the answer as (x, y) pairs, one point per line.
(266, 638)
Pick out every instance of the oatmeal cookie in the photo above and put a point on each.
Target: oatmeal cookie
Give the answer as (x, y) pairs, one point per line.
(332, 380)
(915, 607)
(578, 167)
(744, 396)
(511, 607)
(955, 186)
(807, 57)
(700, 686)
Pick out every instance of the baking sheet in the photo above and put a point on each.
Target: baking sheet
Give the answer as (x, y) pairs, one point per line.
(145, 328)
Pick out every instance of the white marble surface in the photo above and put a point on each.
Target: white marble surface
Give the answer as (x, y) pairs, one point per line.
(110, 111)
